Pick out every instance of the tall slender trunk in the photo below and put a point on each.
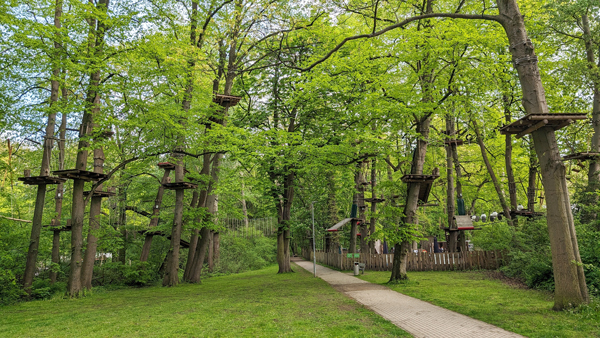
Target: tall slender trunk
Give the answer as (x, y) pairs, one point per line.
(36, 226)
(490, 170)
(412, 200)
(512, 185)
(570, 287)
(92, 107)
(283, 231)
(87, 268)
(155, 215)
(191, 265)
(208, 200)
(354, 212)
(373, 204)
(594, 166)
(450, 202)
(171, 277)
(532, 185)
(122, 222)
(59, 193)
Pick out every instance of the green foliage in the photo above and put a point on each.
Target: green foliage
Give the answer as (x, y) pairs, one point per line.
(494, 236)
(115, 273)
(530, 258)
(588, 237)
(10, 291)
(43, 289)
(239, 254)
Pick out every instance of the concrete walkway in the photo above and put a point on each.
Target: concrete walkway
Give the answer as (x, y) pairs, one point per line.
(419, 318)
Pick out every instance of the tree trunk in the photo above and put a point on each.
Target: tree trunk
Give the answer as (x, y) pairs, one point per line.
(450, 203)
(491, 172)
(594, 166)
(373, 204)
(211, 251)
(570, 287)
(87, 268)
(59, 194)
(155, 216)
(171, 277)
(532, 187)
(354, 211)
(92, 108)
(122, 222)
(36, 226)
(217, 247)
(364, 247)
(283, 232)
(412, 199)
(193, 238)
(512, 185)
(191, 265)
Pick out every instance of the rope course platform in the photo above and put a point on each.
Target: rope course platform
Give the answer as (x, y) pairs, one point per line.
(584, 156)
(179, 185)
(76, 174)
(524, 213)
(166, 165)
(39, 180)
(99, 193)
(58, 227)
(182, 242)
(533, 122)
(226, 100)
(413, 178)
(374, 200)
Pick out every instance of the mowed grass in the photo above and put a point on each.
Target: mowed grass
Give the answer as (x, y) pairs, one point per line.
(253, 304)
(527, 312)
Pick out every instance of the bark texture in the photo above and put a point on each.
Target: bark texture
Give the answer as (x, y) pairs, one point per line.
(155, 216)
(87, 268)
(38, 212)
(570, 287)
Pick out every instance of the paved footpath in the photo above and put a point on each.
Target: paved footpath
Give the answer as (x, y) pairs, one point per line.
(419, 318)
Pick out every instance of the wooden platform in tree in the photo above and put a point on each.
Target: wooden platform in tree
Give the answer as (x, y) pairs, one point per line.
(76, 174)
(524, 213)
(180, 185)
(533, 122)
(455, 142)
(38, 180)
(183, 243)
(107, 134)
(166, 165)
(98, 193)
(581, 156)
(374, 200)
(55, 228)
(412, 178)
(226, 100)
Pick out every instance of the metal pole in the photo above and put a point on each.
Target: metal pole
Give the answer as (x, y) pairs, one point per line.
(312, 205)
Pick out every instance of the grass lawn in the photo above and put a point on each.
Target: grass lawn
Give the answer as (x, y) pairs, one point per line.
(527, 312)
(254, 304)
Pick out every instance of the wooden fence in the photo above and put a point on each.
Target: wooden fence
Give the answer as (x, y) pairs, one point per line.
(423, 261)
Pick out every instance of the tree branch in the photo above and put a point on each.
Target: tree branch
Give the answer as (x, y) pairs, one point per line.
(496, 18)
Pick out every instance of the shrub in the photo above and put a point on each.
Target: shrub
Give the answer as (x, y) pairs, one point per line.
(115, 273)
(238, 254)
(10, 290)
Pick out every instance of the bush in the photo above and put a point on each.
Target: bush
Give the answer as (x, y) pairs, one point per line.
(530, 258)
(115, 273)
(10, 290)
(494, 236)
(238, 254)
